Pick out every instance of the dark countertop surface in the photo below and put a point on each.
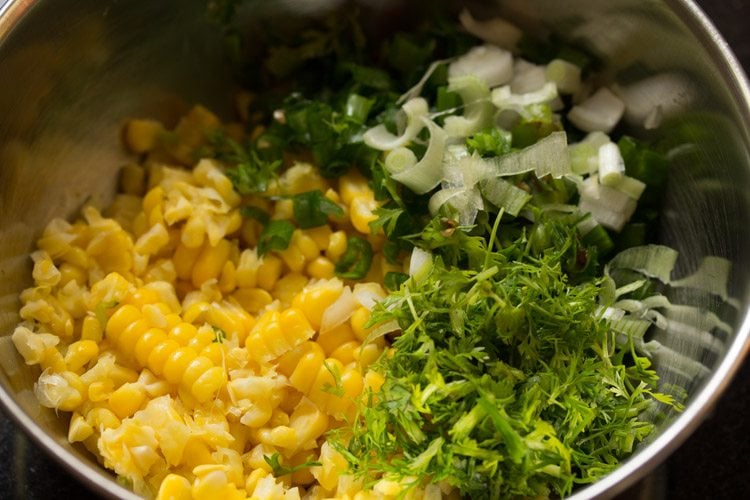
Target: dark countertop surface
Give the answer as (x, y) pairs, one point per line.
(714, 463)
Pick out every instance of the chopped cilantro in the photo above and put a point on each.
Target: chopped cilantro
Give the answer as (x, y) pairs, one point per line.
(278, 469)
(311, 209)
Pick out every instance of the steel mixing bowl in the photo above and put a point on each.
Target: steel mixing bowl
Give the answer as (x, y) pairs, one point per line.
(72, 71)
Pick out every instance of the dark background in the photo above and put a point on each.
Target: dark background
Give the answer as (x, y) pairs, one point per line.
(713, 464)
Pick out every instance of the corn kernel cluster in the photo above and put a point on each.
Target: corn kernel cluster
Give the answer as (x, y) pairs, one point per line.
(184, 357)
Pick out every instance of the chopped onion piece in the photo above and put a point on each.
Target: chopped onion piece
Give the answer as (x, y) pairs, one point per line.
(338, 312)
(527, 77)
(478, 109)
(423, 176)
(496, 30)
(600, 112)
(378, 137)
(611, 164)
(368, 294)
(492, 65)
(566, 75)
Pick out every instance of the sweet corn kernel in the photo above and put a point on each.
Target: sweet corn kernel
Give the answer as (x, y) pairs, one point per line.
(174, 487)
(252, 300)
(358, 320)
(269, 271)
(335, 337)
(346, 352)
(126, 400)
(314, 300)
(351, 185)
(80, 353)
(336, 246)
(293, 258)
(79, 429)
(142, 136)
(289, 286)
(281, 436)
(361, 212)
(210, 262)
(208, 384)
(320, 235)
(321, 268)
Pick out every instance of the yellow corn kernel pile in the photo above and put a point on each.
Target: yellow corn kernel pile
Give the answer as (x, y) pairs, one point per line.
(186, 359)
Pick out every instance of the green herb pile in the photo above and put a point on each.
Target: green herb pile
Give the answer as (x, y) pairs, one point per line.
(504, 378)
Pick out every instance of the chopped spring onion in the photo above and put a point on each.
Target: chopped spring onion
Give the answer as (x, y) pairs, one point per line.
(478, 109)
(609, 207)
(338, 312)
(566, 75)
(548, 156)
(424, 175)
(505, 99)
(496, 30)
(492, 65)
(380, 138)
(600, 112)
(630, 186)
(466, 201)
(611, 165)
(420, 263)
(416, 90)
(503, 194)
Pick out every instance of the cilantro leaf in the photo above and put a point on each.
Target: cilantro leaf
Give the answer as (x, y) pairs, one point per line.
(255, 213)
(279, 470)
(248, 172)
(312, 208)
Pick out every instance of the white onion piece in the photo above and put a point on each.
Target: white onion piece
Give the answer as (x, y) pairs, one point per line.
(566, 75)
(600, 112)
(378, 137)
(368, 294)
(611, 164)
(420, 263)
(497, 31)
(527, 77)
(338, 312)
(492, 65)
